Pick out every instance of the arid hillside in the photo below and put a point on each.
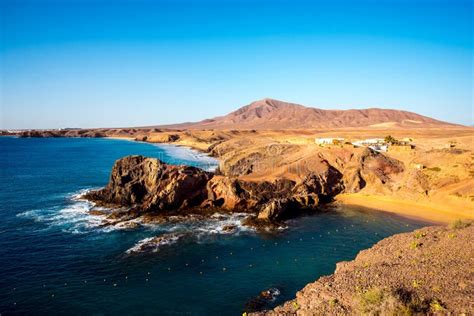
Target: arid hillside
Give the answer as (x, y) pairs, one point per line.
(273, 114)
(433, 180)
(427, 272)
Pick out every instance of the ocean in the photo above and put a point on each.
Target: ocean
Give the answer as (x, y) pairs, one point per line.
(56, 259)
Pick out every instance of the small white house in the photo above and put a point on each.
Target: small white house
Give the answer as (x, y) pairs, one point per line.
(377, 144)
(369, 142)
(379, 148)
(328, 140)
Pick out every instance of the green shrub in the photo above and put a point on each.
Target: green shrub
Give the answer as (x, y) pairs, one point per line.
(419, 235)
(459, 224)
(415, 244)
(436, 306)
(333, 302)
(390, 140)
(371, 299)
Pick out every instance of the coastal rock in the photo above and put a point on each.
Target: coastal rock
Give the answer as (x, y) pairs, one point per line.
(246, 196)
(370, 167)
(305, 195)
(404, 274)
(227, 194)
(263, 300)
(229, 229)
(151, 185)
(274, 210)
(147, 186)
(154, 244)
(323, 185)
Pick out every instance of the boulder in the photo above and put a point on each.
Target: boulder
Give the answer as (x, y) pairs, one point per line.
(151, 185)
(275, 209)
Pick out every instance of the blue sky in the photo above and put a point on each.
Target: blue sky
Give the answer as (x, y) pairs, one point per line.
(110, 63)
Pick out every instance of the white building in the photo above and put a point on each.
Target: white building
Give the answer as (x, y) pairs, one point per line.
(377, 144)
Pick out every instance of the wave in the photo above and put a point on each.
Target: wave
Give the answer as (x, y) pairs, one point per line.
(201, 230)
(180, 155)
(218, 223)
(73, 217)
(153, 244)
(76, 217)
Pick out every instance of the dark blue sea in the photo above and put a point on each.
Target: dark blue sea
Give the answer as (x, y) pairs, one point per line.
(56, 259)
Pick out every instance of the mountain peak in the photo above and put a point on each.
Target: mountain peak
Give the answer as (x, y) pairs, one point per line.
(270, 114)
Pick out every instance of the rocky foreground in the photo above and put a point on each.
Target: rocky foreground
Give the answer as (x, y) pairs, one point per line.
(149, 187)
(428, 271)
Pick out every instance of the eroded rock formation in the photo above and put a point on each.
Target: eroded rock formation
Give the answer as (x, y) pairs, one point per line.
(148, 185)
(151, 185)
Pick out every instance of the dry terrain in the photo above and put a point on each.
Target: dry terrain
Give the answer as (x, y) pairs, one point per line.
(434, 179)
(429, 271)
(271, 161)
(437, 181)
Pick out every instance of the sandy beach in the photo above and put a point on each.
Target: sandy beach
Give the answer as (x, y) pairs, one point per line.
(438, 212)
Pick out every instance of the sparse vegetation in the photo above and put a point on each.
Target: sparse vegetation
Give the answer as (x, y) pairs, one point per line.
(390, 140)
(371, 300)
(296, 306)
(333, 302)
(415, 244)
(419, 235)
(416, 283)
(436, 306)
(459, 224)
(380, 302)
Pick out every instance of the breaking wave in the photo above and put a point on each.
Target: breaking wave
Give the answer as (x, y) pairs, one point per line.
(76, 217)
(184, 155)
(153, 244)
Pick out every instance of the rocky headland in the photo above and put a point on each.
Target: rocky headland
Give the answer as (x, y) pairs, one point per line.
(148, 188)
(275, 142)
(425, 272)
(271, 171)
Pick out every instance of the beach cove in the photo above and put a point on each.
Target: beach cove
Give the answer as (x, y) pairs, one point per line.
(52, 248)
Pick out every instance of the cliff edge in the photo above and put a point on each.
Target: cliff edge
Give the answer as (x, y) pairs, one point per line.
(428, 271)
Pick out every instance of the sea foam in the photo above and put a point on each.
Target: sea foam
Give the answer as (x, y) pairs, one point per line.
(186, 155)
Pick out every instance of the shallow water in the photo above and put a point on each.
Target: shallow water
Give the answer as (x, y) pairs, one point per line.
(54, 258)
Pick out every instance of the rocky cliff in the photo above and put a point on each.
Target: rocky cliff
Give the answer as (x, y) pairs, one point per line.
(428, 271)
(149, 186)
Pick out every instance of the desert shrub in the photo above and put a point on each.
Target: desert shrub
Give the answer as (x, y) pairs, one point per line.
(436, 306)
(459, 224)
(419, 235)
(371, 300)
(379, 302)
(399, 301)
(390, 140)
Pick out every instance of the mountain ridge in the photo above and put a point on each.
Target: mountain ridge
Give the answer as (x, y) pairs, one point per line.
(275, 114)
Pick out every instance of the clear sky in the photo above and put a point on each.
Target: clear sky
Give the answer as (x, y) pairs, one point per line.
(106, 63)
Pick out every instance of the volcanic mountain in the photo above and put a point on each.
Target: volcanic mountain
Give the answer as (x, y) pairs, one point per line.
(274, 114)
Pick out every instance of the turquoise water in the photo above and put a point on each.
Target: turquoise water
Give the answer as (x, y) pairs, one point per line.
(54, 259)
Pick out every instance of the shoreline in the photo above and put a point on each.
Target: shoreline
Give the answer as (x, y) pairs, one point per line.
(198, 154)
(429, 211)
(436, 209)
